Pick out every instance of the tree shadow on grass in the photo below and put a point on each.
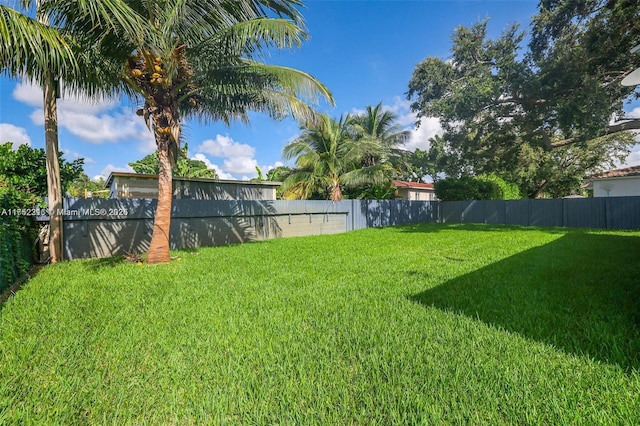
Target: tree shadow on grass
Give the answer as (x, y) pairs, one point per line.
(579, 293)
(103, 262)
(439, 227)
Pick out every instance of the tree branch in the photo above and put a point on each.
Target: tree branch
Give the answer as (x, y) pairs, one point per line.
(628, 124)
(521, 101)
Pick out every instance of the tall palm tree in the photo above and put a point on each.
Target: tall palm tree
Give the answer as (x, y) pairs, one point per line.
(198, 59)
(36, 49)
(193, 59)
(327, 158)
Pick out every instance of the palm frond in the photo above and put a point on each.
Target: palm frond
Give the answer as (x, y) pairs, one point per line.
(97, 17)
(228, 93)
(31, 49)
(250, 38)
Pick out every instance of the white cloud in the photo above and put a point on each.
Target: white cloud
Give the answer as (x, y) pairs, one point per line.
(238, 158)
(97, 178)
(110, 168)
(240, 165)
(634, 113)
(96, 129)
(92, 120)
(147, 141)
(224, 146)
(419, 137)
(72, 155)
(272, 166)
(633, 159)
(221, 174)
(29, 94)
(15, 134)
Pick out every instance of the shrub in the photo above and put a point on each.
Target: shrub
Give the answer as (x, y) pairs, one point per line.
(17, 233)
(485, 187)
(507, 190)
(465, 188)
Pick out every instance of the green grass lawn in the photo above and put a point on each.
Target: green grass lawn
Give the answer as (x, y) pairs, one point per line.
(425, 324)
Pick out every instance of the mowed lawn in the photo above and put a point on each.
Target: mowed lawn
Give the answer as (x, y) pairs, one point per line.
(426, 324)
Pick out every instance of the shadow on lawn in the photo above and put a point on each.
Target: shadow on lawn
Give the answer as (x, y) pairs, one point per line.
(579, 293)
(439, 227)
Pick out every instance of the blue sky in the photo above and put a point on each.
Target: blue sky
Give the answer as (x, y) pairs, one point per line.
(363, 51)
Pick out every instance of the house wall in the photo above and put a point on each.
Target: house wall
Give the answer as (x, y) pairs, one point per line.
(617, 187)
(414, 194)
(132, 187)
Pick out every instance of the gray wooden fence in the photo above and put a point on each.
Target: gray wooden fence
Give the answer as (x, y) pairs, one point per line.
(106, 227)
(603, 213)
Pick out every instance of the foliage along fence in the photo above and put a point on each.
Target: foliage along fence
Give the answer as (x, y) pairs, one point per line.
(106, 227)
(16, 246)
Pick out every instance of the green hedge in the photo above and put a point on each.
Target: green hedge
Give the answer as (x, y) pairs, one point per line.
(17, 236)
(484, 187)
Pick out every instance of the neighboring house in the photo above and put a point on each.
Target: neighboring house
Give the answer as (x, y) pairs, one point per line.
(135, 185)
(617, 183)
(415, 191)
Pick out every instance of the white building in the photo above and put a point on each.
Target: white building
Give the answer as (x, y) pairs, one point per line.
(617, 183)
(415, 190)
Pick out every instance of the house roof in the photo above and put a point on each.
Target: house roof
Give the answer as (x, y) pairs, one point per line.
(107, 184)
(412, 185)
(626, 172)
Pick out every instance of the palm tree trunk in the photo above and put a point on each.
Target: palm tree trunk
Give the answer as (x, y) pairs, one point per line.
(53, 169)
(336, 193)
(159, 248)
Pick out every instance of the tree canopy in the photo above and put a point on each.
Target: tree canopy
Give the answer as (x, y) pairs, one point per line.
(539, 114)
(25, 170)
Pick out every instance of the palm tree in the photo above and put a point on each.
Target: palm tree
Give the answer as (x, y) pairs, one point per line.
(46, 53)
(198, 65)
(196, 59)
(379, 128)
(328, 157)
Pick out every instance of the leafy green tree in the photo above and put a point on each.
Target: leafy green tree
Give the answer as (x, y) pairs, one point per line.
(524, 116)
(83, 186)
(147, 165)
(260, 177)
(278, 174)
(483, 187)
(431, 163)
(466, 188)
(198, 66)
(23, 185)
(505, 190)
(184, 166)
(382, 191)
(328, 157)
(25, 170)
